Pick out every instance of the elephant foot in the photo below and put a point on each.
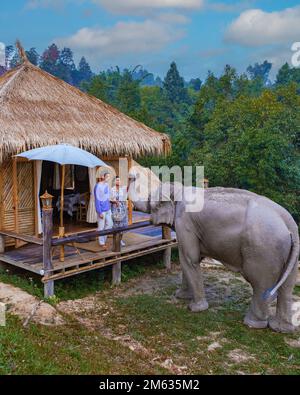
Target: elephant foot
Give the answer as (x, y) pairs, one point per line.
(199, 306)
(255, 324)
(282, 326)
(183, 294)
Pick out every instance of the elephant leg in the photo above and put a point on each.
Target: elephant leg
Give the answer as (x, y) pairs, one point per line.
(189, 255)
(283, 320)
(258, 314)
(184, 292)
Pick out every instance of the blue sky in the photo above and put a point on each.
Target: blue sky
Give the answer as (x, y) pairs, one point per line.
(200, 35)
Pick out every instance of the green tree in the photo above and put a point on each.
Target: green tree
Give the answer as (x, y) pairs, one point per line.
(260, 71)
(287, 74)
(33, 56)
(50, 59)
(128, 94)
(97, 87)
(174, 85)
(251, 143)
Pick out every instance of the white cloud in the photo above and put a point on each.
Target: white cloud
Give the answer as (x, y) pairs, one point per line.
(132, 37)
(257, 28)
(232, 7)
(144, 6)
(171, 18)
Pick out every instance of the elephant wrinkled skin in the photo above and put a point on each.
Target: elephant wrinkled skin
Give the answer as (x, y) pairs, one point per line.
(249, 234)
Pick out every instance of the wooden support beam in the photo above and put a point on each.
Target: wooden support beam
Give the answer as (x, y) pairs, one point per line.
(2, 244)
(100, 263)
(47, 256)
(62, 203)
(117, 267)
(19, 236)
(36, 201)
(130, 204)
(166, 235)
(16, 199)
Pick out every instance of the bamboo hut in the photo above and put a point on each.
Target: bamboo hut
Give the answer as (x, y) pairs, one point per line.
(38, 109)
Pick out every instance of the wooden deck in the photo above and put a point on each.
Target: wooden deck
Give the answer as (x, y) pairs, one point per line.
(83, 257)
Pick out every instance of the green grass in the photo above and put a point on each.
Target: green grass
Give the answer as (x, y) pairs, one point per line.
(173, 331)
(70, 349)
(167, 330)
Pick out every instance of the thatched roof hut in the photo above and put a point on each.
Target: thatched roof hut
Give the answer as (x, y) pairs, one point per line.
(37, 109)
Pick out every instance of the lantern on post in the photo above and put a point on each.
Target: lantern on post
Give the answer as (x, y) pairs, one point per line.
(47, 201)
(47, 241)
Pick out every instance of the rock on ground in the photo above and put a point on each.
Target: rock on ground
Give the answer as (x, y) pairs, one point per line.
(28, 307)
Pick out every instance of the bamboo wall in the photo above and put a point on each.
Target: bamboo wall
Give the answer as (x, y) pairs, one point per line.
(17, 198)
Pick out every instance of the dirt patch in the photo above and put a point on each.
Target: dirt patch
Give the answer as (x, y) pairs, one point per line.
(28, 307)
(240, 356)
(294, 343)
(91, 312)
(220, 284)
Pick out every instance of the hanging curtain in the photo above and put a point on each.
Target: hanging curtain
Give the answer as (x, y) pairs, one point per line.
(56, 179)
(91, 214)
(39, 166)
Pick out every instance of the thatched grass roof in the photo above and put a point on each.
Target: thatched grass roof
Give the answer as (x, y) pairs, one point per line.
(37, 109)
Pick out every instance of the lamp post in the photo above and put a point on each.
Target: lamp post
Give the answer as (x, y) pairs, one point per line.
(47, 241)
(47, 201)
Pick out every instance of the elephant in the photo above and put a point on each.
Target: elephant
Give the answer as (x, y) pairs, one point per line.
(248, 233)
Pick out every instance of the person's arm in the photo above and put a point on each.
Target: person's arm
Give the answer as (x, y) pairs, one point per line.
(99, 196)
(112, 197)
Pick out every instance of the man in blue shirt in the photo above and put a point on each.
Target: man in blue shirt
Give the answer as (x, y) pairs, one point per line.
(103, 207)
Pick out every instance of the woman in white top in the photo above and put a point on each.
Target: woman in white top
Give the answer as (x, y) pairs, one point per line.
(119, 205)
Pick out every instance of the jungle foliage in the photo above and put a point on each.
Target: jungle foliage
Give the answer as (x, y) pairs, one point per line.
(244, 128)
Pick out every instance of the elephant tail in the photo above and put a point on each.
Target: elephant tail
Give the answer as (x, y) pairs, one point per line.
(292, 261)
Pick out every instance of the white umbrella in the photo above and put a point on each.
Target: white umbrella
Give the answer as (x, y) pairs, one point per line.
(64, 154)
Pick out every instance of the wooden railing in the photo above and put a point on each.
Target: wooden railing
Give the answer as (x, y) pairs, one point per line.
(97, 233)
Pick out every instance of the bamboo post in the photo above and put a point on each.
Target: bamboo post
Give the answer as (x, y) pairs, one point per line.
(130, 204)
(166, 235)
(165, 150)
(117, 267)
(2, 244)
(36, 201)
(62, 203)
(2, 250)
(16, 199)
(47, 258)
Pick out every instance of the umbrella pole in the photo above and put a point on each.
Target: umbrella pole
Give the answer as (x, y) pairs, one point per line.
(62, 202)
